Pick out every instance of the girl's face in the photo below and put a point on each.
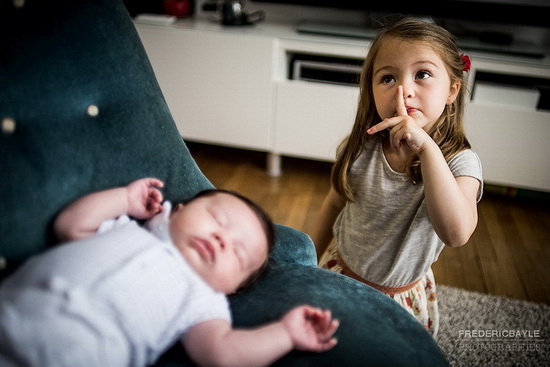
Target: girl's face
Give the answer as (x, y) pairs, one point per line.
(422, 73)
(221, 238)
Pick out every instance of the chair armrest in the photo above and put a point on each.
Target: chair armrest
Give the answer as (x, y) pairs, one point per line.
(293, 246)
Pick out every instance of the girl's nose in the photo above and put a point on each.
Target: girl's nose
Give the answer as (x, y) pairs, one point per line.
(408, 90)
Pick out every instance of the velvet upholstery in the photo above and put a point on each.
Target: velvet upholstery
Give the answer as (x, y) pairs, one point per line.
(80, 111)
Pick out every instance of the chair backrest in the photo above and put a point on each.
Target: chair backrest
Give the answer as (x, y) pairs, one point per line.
(80, 111)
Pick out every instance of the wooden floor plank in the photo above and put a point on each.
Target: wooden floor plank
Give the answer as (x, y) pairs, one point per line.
(488, 260)
(506, 279)
(440, 270)
(471, 263)
(534, 246)
(455, 269)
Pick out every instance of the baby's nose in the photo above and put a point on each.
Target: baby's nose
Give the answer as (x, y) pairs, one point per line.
(220, 240)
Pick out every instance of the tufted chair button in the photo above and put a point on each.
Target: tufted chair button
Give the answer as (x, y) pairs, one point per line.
(3, 263)
(92, 110)
(8, 126)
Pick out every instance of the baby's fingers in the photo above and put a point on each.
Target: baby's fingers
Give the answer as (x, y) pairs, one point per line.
(326, 338)
(331, 329)
(155, 194)
(326, 326)
(152, 182)
(154, 199)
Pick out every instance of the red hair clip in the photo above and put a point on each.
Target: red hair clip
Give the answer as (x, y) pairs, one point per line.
(467, 62)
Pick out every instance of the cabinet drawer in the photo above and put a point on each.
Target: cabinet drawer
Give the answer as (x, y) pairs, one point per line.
(313, 118)
(217, 86)
(512, 145)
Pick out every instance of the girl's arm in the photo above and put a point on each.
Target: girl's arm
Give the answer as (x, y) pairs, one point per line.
(81, 219)
(215, 343)
(322, 233)
(451, 202)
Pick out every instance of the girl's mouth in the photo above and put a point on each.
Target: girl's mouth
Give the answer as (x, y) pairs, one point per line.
(411, 110)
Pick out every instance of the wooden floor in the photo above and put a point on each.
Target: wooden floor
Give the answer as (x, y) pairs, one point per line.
(508, 255)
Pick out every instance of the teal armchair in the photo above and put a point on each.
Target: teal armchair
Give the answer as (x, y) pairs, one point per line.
(81, 111)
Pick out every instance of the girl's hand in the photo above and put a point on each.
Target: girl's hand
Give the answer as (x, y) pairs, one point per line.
(403, 128)
(310, 328)
(144, 198)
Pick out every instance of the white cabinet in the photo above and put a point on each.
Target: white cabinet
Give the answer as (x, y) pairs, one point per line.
(217, 85)
(512, 145)
(312, 118)
(232, 86)
(504, 126)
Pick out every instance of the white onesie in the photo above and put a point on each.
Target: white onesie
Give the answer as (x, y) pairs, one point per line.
(120, 298)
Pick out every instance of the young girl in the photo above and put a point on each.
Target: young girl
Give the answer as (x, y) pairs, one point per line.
(405, 182)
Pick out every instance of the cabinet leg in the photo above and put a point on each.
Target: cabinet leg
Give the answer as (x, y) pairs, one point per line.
(273, 164)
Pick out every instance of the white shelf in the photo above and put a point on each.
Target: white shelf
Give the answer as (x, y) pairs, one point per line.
(230, 86)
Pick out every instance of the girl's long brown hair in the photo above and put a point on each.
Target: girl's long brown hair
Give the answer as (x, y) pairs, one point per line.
(448, 131)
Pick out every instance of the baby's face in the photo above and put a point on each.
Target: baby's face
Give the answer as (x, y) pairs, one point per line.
(221, 238)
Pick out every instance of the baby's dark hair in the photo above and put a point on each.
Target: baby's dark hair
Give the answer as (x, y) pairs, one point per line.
(265, 220)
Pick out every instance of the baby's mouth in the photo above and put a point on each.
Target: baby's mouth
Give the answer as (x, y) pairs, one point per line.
(205, 249)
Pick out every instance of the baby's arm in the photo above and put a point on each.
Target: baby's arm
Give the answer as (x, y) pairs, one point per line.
(140, 199)
(215, 343)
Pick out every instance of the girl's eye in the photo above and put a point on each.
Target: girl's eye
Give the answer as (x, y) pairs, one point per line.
(386, 79)
(423, 74)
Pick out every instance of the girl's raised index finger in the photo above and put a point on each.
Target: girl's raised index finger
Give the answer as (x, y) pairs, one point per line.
(400, 102)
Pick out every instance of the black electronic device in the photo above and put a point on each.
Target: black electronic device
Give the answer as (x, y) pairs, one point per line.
(486, 25)
(518, 12)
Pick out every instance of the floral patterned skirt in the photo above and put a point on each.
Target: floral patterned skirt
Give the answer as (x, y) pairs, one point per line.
(420, 300)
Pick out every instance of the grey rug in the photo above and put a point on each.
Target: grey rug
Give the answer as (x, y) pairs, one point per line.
(484, 330)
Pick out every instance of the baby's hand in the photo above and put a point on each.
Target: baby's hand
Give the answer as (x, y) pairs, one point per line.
(144, 198)
(310, 328)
